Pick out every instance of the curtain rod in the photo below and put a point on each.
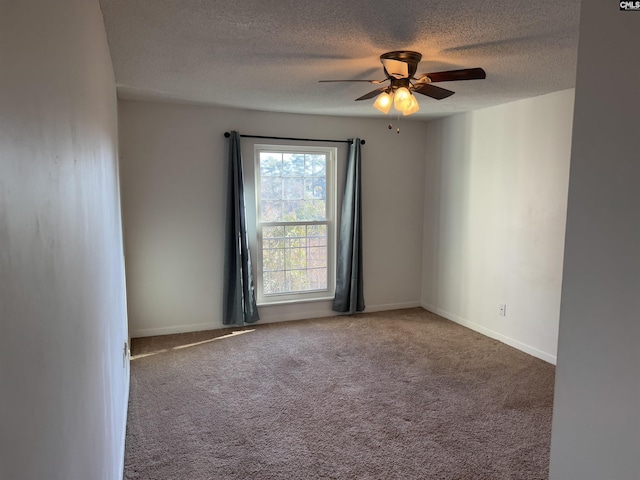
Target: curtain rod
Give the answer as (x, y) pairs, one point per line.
(227, 135)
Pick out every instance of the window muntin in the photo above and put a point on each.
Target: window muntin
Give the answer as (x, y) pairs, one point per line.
(295, 193)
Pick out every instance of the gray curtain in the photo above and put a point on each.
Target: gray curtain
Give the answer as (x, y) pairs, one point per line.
(239, 303)
(349, 291)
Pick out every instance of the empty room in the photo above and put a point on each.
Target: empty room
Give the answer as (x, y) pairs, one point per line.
(338, 240)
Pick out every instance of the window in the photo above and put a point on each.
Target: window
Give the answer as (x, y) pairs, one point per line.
(295, 212)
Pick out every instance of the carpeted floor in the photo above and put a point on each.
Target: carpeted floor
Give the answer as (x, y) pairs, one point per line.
(388, 395)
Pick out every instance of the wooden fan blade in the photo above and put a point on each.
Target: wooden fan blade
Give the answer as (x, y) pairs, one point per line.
(375, 82)
(432, 91)
(372, 94)
(454, 75)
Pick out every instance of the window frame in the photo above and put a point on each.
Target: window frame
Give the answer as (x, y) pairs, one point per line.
(330, 221)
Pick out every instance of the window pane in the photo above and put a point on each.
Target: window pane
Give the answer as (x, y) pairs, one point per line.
(297, 280)
(270, 164)
(317, 278)
(293, 165)
(316, 210)
(293, 188)
(273, 282)
(317, 257)
(306, 267)
(294, 210)
(315, 165)
(273, 232)
(317, 235)
(295, 242)
(315, 188)
(271, 210)
(296, 231)
(270, 243)
(304, 210)
(273, 259)
(296, 236)
(295, 258)
(271, 188)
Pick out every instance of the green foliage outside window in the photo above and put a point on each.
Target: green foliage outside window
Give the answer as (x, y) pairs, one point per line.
(293, 189)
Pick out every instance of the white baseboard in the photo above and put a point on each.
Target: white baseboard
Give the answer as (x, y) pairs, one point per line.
(392, 306)
(542, 355)
(267, 317)
(195, 327)
(302, 314)
(271, 314)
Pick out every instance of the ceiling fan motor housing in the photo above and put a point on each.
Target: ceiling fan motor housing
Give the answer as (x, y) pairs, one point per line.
(396, 83)
(409, 57)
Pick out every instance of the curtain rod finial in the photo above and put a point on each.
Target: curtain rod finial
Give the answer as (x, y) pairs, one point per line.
(227, 134)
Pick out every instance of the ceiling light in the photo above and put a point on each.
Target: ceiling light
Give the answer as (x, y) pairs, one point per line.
(413, 107)
(402, 99)
(399, 97)
(384, 102)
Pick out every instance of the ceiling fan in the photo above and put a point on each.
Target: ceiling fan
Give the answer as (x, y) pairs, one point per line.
(400, 68)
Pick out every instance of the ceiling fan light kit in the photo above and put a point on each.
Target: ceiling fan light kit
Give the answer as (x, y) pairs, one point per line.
(400, 67)
(402, 99)
(384, 102)
(413, 106)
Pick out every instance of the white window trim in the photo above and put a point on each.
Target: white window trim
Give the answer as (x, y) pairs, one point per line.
(331, 203)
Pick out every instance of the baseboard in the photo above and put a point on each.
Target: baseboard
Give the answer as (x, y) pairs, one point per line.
(267, 317)
(270, 314)
(195, 327)
(279, 316)
(392, 306)
(542, 355)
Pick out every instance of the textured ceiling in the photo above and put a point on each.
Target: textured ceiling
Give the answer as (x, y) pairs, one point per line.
(269, 55)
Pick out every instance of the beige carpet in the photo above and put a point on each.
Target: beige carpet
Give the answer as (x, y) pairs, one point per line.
(390, 395)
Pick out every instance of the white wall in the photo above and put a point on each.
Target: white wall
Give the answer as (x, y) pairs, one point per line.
(596, 425)
(173, 164)
(63, 380)
(495, 206)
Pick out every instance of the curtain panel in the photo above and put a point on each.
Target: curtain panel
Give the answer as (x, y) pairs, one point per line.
(239, 302)
(349, 297)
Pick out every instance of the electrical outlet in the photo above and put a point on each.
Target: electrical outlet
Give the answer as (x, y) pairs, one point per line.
(503, 310)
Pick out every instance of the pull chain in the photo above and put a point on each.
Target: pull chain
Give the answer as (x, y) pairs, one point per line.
(390, 126)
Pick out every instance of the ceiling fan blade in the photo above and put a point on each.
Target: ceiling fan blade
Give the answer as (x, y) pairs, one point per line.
(375, 82)
(454, 75)
(372, 94)
(432, 91)
(395, 68)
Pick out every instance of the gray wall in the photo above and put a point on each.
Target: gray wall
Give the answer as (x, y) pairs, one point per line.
(62, 297)
(495, 207)
(596, 426)
(173, 164)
